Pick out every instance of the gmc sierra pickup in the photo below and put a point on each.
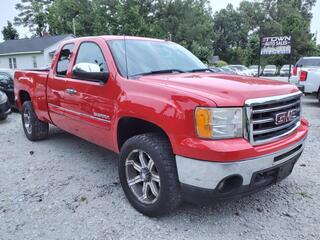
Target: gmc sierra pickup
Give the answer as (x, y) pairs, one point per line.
(182, 132)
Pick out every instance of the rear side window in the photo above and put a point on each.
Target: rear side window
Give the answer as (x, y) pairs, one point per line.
(64, 60)
(90, 52)
(312, 62)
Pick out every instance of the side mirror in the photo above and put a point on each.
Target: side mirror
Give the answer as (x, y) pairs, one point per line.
(89, 71)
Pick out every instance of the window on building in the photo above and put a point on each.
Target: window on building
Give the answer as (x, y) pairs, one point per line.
(10, 63)
(34, 60)
(14, 63)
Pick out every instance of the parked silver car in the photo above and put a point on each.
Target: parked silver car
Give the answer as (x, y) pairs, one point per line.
(284, 70)
(241, 70)
(270, 70)
(254, 69)
(228, 70)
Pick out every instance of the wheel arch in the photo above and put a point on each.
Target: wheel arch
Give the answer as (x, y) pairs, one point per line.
(24, 96)
(128, 127)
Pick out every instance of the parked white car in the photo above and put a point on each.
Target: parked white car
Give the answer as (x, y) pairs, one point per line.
(254, 69)
(308, 64)
(241, 70)
(228, 70)
(270, 70)
(285, 69)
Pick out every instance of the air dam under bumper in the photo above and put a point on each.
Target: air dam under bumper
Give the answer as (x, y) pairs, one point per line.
(207, 181)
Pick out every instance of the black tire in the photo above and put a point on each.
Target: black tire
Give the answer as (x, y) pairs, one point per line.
(159, 149)
(38, 130)
(4, 117)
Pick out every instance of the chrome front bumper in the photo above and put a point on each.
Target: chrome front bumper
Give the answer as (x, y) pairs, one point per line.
(208, 175)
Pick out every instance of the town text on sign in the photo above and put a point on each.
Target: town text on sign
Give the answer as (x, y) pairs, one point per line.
(276, 45)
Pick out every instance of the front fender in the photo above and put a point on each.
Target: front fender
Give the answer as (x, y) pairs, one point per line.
(171, 110)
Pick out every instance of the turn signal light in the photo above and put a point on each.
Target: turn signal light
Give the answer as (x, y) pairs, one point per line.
(303, 75)
(203, 122)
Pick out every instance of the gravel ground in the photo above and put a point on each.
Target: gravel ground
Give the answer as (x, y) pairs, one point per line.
(67, 188)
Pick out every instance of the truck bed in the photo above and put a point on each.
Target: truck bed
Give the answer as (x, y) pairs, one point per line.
(32, 84)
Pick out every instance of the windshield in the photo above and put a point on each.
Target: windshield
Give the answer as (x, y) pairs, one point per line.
(254, 67)
(311, 62)
(152, 56)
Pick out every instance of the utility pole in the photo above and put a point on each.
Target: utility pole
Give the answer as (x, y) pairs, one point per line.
(74, 26)
(169, 36)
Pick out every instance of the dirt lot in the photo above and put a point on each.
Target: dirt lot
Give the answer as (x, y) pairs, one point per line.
(67, 188)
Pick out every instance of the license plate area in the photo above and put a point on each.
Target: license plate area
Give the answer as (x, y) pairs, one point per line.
(285, 170)
(273, 175)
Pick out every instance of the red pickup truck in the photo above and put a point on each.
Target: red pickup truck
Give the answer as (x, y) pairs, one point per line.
(182, 132)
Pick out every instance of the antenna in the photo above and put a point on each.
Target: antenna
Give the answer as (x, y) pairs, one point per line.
(125, 55)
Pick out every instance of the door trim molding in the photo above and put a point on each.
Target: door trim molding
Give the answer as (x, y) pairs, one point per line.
(78, 113)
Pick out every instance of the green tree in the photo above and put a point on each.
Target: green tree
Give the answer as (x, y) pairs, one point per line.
(9, 32)
(65, 16)
(231, 34)
(135, 17)
(190, 22)
(33, 14)
(105, 20)
(242, 27)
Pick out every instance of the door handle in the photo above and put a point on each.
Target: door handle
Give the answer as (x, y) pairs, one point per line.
(71, 91)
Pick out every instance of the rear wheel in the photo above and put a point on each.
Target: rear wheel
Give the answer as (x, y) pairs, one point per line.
(33, 128)
(148, 174)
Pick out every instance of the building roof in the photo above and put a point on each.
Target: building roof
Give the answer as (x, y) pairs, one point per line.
(30, 44)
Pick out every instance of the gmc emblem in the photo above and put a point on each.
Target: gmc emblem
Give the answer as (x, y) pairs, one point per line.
(285, 117)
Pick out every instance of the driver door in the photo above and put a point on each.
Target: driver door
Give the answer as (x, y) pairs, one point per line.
(89, 103)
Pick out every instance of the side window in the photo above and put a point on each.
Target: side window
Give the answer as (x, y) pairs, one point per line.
(90, 52)
(64, 60)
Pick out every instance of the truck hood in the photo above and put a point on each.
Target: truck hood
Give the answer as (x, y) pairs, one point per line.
(224, 90)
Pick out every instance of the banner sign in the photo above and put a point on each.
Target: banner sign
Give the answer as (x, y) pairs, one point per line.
(276, 45)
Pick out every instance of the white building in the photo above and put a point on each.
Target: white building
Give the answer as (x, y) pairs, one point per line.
(30, 53)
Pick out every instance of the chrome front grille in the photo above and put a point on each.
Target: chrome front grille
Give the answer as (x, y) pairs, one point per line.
(271, 118)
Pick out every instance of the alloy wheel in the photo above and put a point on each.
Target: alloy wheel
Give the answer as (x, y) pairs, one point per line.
(142, 176)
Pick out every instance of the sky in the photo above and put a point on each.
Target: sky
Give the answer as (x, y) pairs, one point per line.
(8, 12)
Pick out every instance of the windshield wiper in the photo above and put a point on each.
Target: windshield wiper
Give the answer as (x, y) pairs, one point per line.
(201, 70)
(158, 72)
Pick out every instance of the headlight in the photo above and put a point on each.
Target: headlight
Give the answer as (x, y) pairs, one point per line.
(3, 98)
(219, 123)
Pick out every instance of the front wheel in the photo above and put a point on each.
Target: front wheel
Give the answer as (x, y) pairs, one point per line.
(148, 174)
(33, 128)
